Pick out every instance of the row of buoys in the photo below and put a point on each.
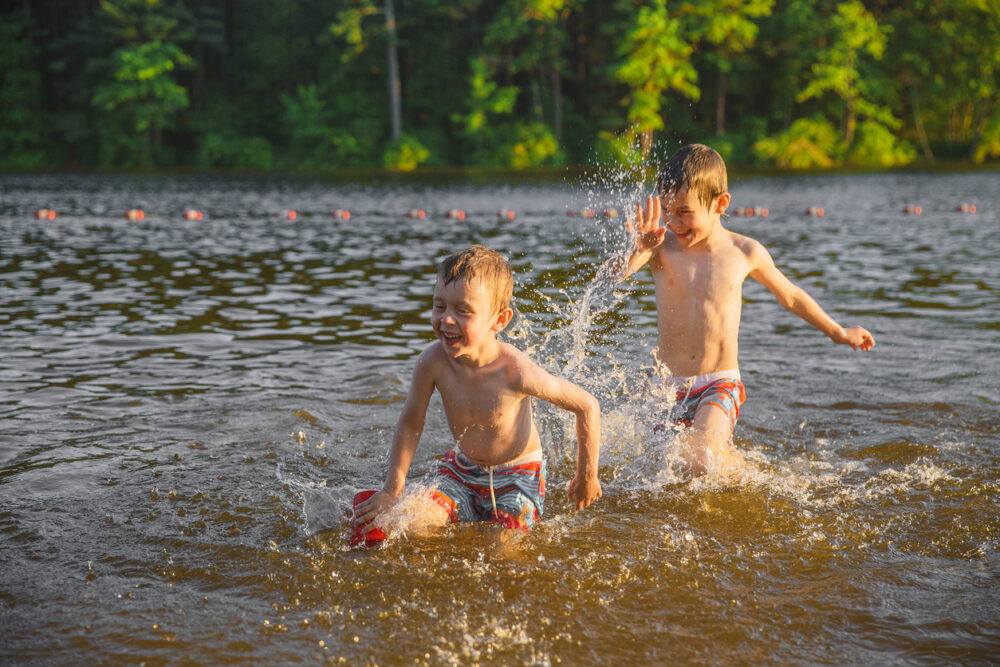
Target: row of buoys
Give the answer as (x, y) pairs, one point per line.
(136, 214)
(751, 211)
(916, 209)
(591, 213)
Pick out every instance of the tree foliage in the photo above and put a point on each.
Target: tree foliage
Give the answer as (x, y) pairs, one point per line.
(516, 83)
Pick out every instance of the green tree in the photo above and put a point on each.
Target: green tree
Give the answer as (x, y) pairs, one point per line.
(654, 59)
(141, 89)
(854, 35)
(23, 126)
(485, 104)
(728, 29)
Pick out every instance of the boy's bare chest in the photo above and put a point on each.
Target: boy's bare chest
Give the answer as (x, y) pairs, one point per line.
(705, 276)
(484, 400)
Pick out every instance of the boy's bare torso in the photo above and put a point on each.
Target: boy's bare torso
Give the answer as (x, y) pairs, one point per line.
(699, 299)
(489, 416)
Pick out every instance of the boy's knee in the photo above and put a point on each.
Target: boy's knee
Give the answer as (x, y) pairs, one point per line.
(713, 423)
(520, 513)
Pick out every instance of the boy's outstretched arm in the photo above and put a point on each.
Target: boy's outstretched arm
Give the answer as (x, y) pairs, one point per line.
(646, 236)
(585, 487)
(797, 300)
(409, 426)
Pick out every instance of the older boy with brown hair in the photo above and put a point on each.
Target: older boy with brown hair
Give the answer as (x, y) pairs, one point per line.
(496, 472)
(698, 273)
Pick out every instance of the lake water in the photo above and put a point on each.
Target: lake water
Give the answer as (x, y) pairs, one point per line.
(188, 407)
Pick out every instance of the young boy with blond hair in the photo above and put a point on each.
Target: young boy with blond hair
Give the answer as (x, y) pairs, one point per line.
(496, 472)
(698, 272)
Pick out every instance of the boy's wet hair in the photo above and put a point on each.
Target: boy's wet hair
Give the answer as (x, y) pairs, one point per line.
(698, 167)
(484, 264)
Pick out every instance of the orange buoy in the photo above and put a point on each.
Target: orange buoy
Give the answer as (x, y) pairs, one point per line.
(588, 213)
(818, 211)
(611, 213)
(291, 215)
(341, 214)
(192, 214)
(418, 213)
(748, 211)
(570, 214)
(45, 214)
(967, 208)
(912, 209)
(455, 213)
(135, 214)
(506, 214)
(763, 212)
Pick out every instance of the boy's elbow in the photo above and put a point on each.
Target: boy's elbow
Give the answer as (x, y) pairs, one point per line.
(794, 299)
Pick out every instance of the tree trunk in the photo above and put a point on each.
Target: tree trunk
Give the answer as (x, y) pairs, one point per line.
(536, 100)
(395, 107)
(979, 127)
(850, 121)
(557, 103)
(918, 122)
(228, 28)
(646, 142)
(720, 104)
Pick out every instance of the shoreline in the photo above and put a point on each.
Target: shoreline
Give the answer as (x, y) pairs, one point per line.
(473, 175)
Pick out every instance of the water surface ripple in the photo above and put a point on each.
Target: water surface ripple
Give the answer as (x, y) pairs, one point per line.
(187, 408)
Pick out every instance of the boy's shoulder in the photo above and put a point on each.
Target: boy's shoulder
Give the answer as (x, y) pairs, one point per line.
(510, 359)
(516, 365)
(512, 355)
(432, 356)
(749, 247)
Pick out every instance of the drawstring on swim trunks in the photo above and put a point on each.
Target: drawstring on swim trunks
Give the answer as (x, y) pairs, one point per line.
(687, 394)
(492, 495)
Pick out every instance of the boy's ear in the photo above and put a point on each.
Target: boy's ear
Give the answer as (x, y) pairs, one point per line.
(722, 203)
(503, 319)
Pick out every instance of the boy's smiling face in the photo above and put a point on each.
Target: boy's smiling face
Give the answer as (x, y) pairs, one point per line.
(688, 218)
(464, 317)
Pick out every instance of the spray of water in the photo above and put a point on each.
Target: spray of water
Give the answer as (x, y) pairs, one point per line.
(642, 449)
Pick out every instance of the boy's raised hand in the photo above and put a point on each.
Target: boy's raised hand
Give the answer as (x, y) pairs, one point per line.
(649, 233)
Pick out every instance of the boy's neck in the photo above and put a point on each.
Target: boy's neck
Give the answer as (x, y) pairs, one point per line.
(712, 238)
(485, 355)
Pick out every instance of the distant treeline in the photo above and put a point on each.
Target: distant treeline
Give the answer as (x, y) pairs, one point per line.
(265, 84)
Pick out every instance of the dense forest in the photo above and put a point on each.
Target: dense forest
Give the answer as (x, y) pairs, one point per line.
(262, 84)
